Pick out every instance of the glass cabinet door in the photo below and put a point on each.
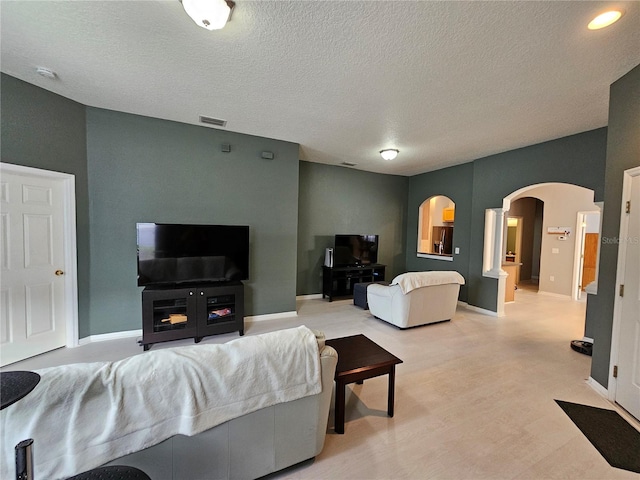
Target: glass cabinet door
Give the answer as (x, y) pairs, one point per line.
(220, 308)
(169, 314)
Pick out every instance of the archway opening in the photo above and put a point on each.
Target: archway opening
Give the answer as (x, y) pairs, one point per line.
(559, 239)
(435, 228)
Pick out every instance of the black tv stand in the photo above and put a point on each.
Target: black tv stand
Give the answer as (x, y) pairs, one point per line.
(191, 311)
(339, 281)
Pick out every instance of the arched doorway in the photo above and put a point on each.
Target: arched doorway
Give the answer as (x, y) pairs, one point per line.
(559, 240)
(523, 241)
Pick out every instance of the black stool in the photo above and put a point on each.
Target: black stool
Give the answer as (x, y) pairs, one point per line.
(115, 472)
(13, 387)
(360, 294)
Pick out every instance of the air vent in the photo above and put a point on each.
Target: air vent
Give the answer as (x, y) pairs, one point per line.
(213, 121)
(348, 164)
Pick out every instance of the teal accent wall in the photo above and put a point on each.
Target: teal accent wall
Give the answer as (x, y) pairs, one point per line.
(623, 153)
(482, 184)
(577, 159)
(149, 170)
(339, 200)
(456, 183)
(130, 168)
(43, 130)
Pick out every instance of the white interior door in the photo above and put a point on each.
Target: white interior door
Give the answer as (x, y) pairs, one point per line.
(32, 252)
(628, 381)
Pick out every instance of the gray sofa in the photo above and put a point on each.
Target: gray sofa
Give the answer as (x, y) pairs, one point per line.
(250, 446)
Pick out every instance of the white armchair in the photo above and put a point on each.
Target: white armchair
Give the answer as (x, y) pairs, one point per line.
(416, 298)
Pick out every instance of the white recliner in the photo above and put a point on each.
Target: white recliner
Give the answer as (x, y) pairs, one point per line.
(416, 298)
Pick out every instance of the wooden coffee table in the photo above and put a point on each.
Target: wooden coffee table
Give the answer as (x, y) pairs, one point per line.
(358, 359)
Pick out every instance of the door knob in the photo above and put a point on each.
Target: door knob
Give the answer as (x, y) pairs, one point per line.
(59, 273)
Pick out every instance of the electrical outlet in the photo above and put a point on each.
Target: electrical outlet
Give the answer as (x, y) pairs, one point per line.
(552, 278)
(457, 250)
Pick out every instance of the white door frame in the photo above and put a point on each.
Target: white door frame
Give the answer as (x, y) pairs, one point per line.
(70, 250)
(622, 257)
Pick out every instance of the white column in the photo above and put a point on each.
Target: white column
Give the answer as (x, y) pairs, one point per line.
(493, 254)
(494, 240)
(499, 240)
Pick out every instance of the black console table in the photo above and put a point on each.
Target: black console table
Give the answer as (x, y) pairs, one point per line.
(339, 281)
(191, 311)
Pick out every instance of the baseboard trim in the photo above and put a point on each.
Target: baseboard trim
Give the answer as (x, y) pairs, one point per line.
(597, 387)
(271, 316)
(477, 309)
(313, 296)
(104, 337)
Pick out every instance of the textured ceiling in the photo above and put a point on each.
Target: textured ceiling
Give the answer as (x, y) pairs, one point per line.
(445, 82)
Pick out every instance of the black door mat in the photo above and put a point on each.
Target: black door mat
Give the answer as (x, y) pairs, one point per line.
(616, 440)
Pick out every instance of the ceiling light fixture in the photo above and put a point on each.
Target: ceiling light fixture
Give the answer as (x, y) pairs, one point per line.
(209, 14)
(389, 153)
(605, 19)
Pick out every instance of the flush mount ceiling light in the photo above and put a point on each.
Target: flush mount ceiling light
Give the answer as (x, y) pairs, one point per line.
(605, 19)
(389, 153)
(209, 14)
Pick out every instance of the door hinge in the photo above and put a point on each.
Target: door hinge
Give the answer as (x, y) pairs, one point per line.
(615, 371)
(621, 290)
(628, 208)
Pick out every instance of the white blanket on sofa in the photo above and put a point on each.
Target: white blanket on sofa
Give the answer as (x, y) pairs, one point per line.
(84, 415)
(412, 280)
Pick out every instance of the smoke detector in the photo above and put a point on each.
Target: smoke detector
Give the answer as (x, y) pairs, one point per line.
(46, 72)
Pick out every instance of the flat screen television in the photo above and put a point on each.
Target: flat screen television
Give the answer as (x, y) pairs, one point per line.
(178, 253)
(353, 250)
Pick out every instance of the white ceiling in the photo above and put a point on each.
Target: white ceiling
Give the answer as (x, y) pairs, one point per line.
(445, 82)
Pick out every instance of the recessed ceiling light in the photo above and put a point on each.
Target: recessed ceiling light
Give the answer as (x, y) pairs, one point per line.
(605, 19)
(45, 72)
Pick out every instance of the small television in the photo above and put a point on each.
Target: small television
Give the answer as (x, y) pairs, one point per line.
(179, 254)
(354, 250)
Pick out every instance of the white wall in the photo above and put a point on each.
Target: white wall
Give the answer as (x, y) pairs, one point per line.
(562, 202)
